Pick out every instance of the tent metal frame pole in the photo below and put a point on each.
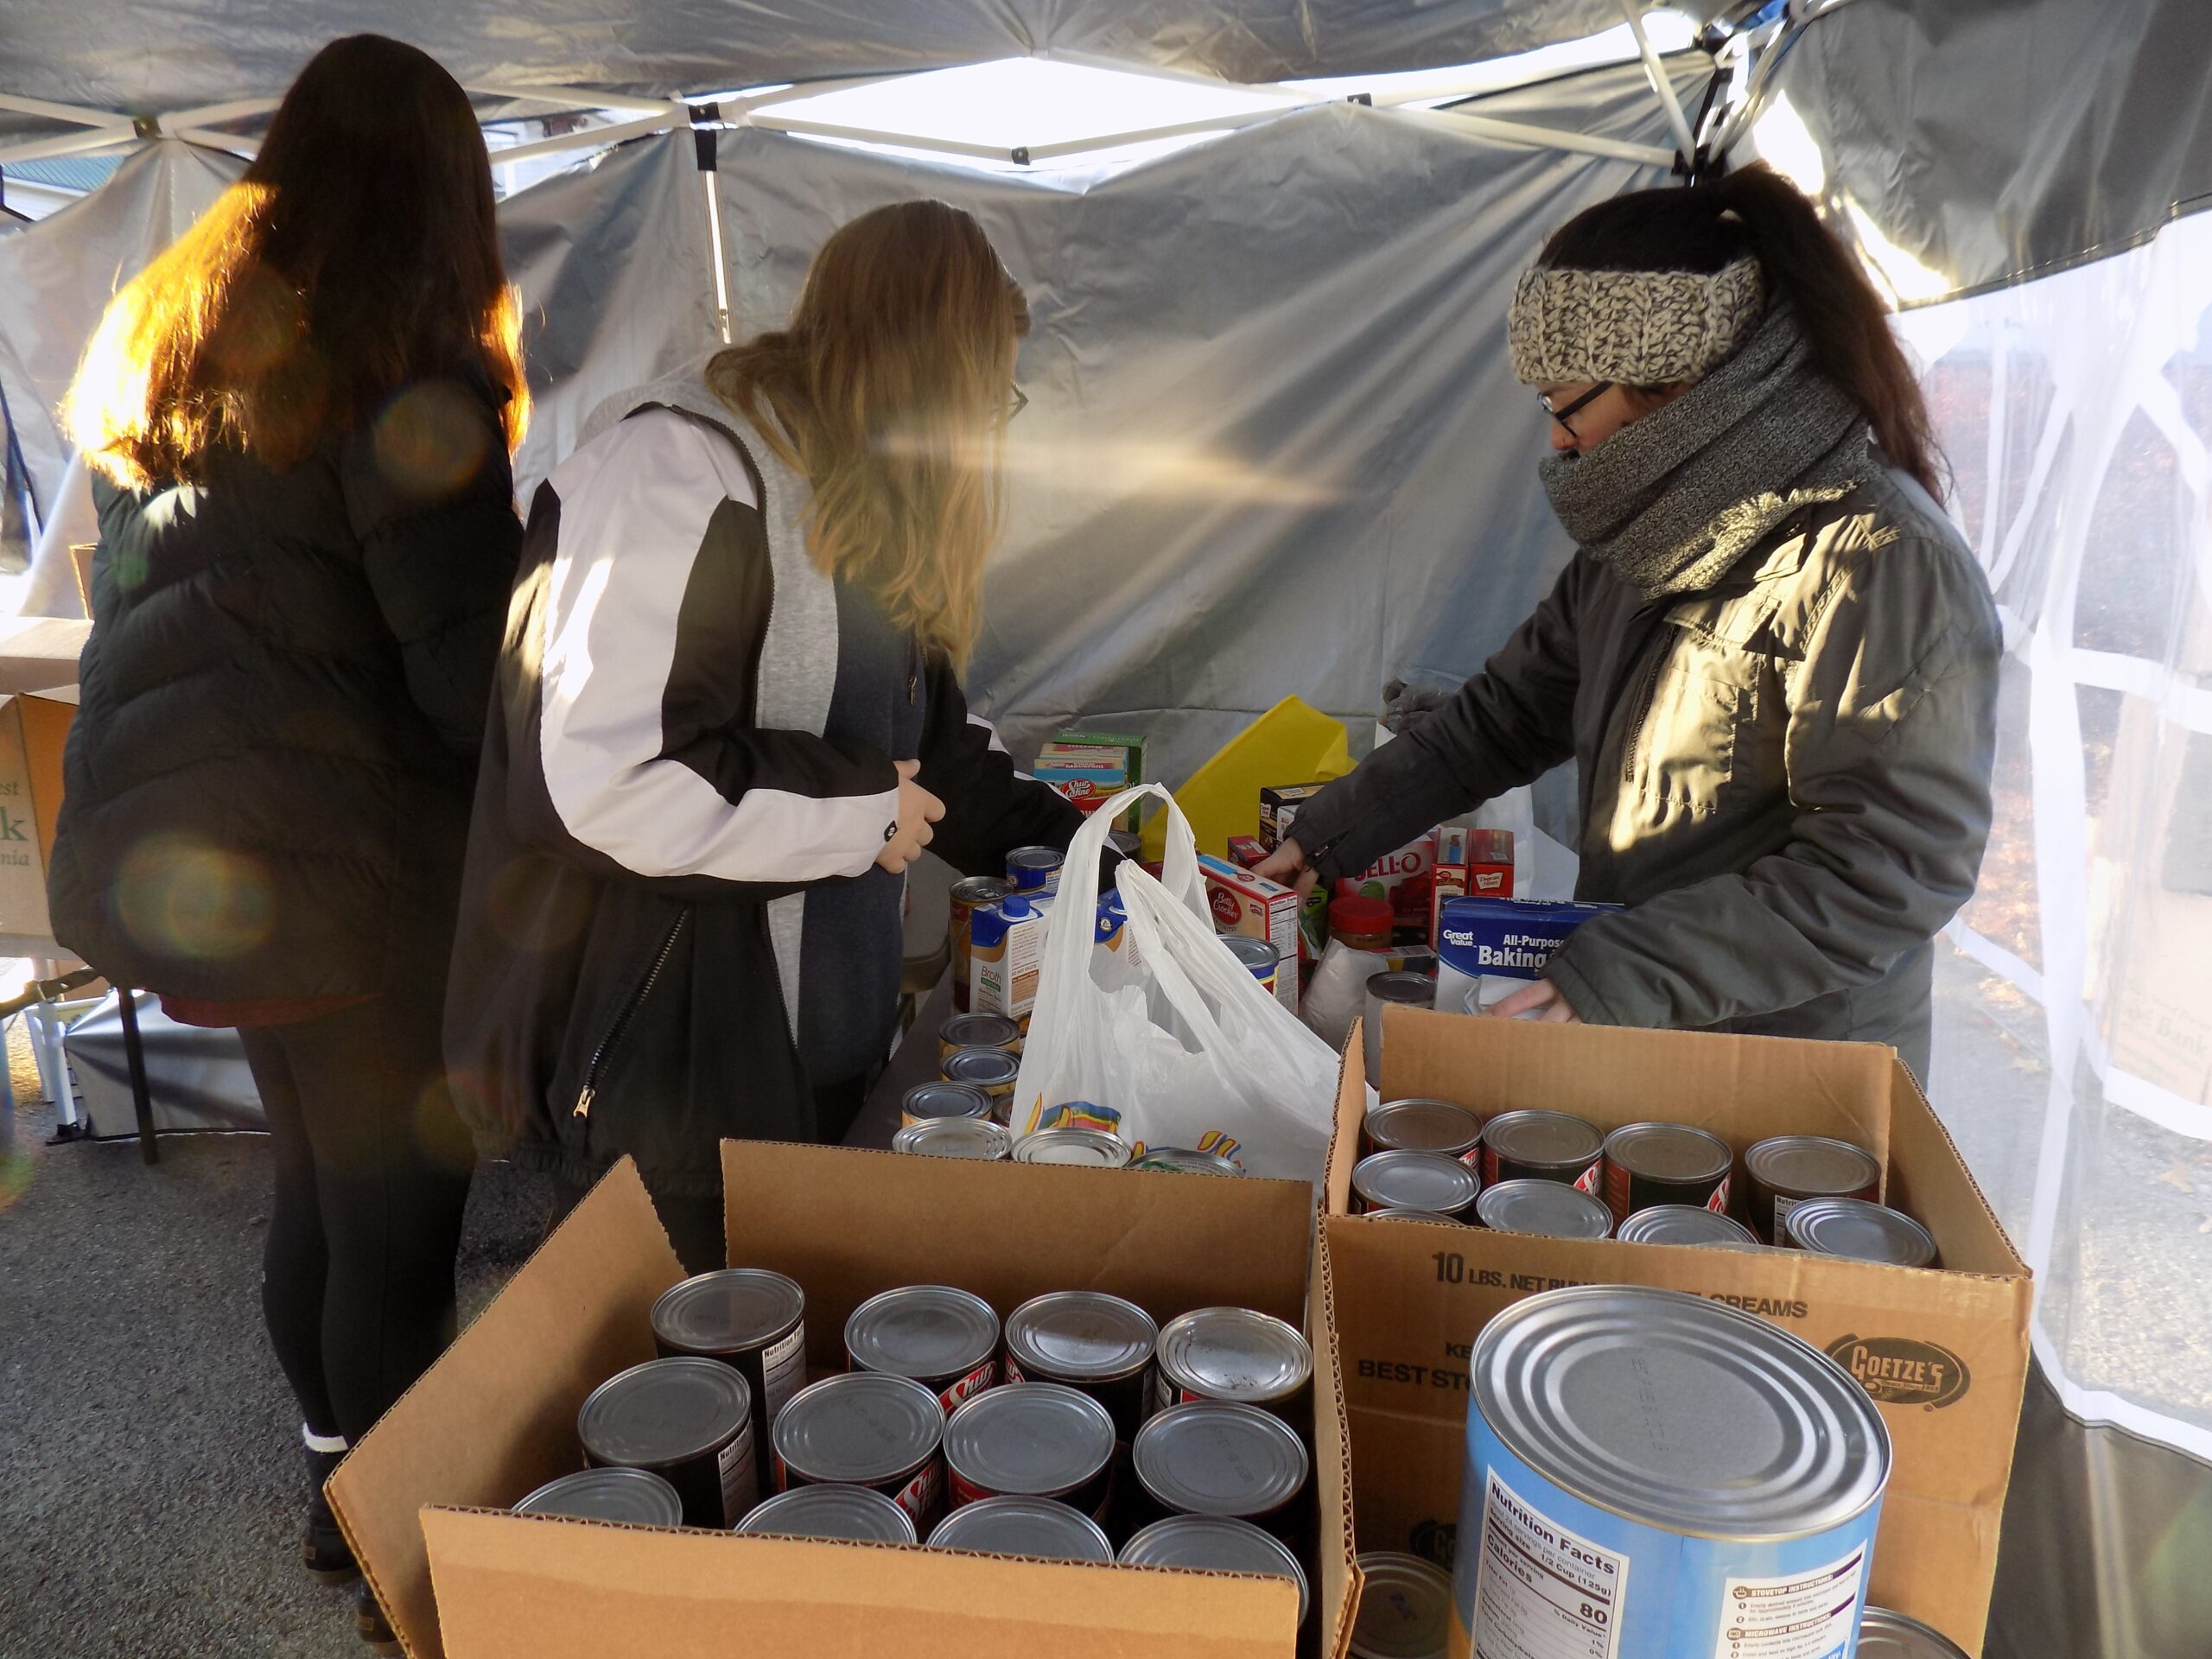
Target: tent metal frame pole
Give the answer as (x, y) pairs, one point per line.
(1535, 138)
(75, 144)
(75, 115)
(804, 129)
(1657, 73)
(577, 98)
(1746, 111)
(674, 115)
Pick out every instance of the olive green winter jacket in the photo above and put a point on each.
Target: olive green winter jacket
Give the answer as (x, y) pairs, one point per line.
(1785, 777)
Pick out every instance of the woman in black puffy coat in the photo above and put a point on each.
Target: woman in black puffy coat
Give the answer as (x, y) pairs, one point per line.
(299, 419)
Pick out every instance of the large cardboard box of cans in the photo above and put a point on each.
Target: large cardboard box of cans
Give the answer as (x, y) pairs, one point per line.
(424, 1498)
(1943, 1351)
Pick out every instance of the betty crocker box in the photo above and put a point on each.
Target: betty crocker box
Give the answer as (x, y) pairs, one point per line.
(1244, 903)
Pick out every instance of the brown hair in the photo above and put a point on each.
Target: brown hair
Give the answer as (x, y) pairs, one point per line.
(359, 253)
(1755, 211)
(889, 392)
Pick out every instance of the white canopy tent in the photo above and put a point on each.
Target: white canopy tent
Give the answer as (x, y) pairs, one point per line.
(1273, 448)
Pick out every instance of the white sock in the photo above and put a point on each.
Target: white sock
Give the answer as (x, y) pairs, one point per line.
(329, 1445)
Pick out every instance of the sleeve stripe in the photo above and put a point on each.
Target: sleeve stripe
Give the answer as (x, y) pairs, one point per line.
(642, 495)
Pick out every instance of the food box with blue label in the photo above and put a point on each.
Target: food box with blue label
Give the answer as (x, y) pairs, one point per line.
(1942, 1351)
(425, 1497)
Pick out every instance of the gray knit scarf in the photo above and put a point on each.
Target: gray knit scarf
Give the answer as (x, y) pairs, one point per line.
(1674, 499)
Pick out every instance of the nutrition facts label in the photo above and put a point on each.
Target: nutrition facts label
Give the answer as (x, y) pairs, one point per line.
(1805, 1616)
(740, 1488)
(1541, 1592)
(783, 1368)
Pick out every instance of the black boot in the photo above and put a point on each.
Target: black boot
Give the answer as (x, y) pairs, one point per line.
(373, 1627)
(324, 1550)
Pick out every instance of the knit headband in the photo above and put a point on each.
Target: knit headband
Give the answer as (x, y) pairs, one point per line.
(1633, 327)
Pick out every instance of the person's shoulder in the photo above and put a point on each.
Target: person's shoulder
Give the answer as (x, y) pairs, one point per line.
(657, 449)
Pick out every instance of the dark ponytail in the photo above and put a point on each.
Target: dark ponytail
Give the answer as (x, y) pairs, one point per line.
(1845, 321)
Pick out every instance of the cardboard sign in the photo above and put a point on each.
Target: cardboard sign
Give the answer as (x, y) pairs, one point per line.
(420, 1497)
(1944, 1353)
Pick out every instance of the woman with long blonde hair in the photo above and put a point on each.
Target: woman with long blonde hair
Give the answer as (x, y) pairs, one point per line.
(299, 419)
(731, 716)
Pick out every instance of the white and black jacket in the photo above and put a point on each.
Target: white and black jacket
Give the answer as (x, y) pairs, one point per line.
(673, 926)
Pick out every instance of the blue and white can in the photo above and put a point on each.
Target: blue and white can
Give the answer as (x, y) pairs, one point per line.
(1655, 1476)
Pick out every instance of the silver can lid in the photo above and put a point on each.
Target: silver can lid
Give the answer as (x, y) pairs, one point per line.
(861, 1428)
(637, 1497)
(1209, 1457)
(1256, 954)
(980, 890)
(982, 1068)
(1414, 1180)
(928, 1100)
(1545, 1139)
(1409, 989)
(1093, 1148)
(1863, 1231)
(1034, 1439)
(1397, 1214)
(857, 1514)
(922, 1330)
(1405, 1611)
(1080, 1336)
(1420, 1125)
(1885, 1635)
(1812, 1166)
(1682, 1224)
(1680, 1414)
(664, 1412)
(1215, 1543)
(1234, 1353)
(978, 1031)
(1669, 1152)
(1034, 858)
(727, 1311)
(1042, 1527)
(1543, 1209)
(954, 1137)
(1184, 1160)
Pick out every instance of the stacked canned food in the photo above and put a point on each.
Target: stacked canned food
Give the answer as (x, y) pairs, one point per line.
(1556, 1176)
(1079, 1430)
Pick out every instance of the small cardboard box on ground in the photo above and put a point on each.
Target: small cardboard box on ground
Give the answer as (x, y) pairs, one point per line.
(1944, 1353)
(420, 1497)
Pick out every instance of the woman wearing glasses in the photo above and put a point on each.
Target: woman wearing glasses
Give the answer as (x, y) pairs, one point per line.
(1773, 658)
(731, 717)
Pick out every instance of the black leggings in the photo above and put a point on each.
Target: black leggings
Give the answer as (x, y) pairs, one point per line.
(373, 1173)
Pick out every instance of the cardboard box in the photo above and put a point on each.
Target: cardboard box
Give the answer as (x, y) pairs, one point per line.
(1089, 768)
(420, 1497)
(1944, 1353)
(32, 733)
(1279, 810)
(1244, 903)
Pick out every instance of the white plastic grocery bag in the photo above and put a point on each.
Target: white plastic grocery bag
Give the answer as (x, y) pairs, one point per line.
(1172, 1030)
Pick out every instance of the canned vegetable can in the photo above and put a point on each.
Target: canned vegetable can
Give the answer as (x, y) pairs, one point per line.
(991, 1070)
(1403, 987)
(1405, 1608)
(1885, 1635)
(1205, 1543)
(688, 1421)
(1781, 1172)
(1543, 1209)
(1233, 1354)
(1260, 958)
(866, 1428)
(1665, 1163)
(1031, 1439)
(1185, 1160)
(1209, 1457)
(1863, 1231)
(1538, 1146)
(857, 1514)
(954, 1137)
(944, 1338)
(1087, 1340)
(1093, 1148)
(637, 1497)
(1685, 1223)
(1415, 1124)
(1414, 1180)
(1033, 870)
(1728, 1513)
(1415, 1215)
(747, 1317)
(925, 1101)
(1042, 1527)
(977, 1031)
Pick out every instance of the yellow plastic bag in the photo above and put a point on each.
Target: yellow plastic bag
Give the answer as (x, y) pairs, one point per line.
(1292, 743)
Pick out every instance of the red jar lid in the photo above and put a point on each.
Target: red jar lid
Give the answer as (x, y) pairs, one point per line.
(1353, 914)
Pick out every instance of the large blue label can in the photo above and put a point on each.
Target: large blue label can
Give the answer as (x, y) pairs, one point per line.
(1655, 1475)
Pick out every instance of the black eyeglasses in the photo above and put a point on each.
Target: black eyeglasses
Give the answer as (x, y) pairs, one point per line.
(1575, 408)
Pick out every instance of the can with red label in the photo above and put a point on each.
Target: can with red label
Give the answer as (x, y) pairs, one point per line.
(1031, 1439)
(866, 1429)
(1419, 1125)
(1665, 1163)
(945, 1340)
(1782, 1173)
(1237, 1354)
(1538, 1146)
(1089, 1341)
(970, 895)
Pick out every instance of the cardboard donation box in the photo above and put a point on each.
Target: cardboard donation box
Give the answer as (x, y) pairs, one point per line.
(32, 732)
(1944, 1353)
(421, 1497)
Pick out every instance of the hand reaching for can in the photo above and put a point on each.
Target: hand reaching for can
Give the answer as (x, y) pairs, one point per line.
(918, 809)
(1539, 1000)
(1286, 866)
